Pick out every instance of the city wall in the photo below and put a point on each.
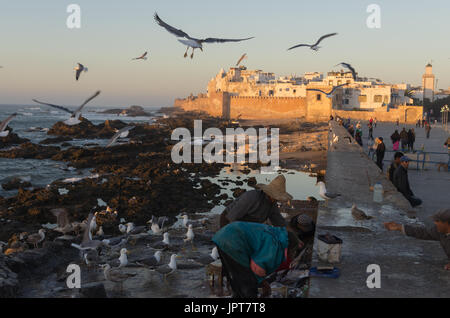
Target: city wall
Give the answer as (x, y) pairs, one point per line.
(405, 114)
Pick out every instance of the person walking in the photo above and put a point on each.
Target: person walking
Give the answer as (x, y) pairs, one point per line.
(428, 129)
(404, 138)
(401, 182)
(375, 122)
(381, 149)
(411, 139)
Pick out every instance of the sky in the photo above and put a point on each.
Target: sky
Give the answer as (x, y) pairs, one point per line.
(38, 52)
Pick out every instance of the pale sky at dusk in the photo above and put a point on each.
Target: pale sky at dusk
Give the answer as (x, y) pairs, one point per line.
(38, 52)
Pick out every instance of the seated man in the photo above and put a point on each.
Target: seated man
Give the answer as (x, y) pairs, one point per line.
(258, 205)
(394, 165)
(251, 251)
(440, 232)
(402, 184)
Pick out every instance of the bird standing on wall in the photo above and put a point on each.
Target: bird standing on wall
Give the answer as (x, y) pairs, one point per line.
(315, 46)
(191, 42)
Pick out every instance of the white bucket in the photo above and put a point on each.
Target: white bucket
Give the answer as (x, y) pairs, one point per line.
(329, 252)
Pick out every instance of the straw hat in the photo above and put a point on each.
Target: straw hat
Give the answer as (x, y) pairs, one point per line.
(276, 189)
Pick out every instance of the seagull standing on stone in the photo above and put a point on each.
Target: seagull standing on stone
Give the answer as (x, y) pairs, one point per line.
(123, 259)
(158, 224)
(122, 133)
(325, 194)
(151, 261)
(315, 46)
(78, 69)
(122, 228)
(88, 243)
(114, 275)
(190, 236)
(75, 115)
(4, 124)
(329, 94)
(132, 229)
(191, 42)
(166, 270)
(208, 259)
(36, 238)
(358, 214)
(142, 57)
(349, 67)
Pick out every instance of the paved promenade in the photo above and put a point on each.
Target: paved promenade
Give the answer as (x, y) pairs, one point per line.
(409, 267)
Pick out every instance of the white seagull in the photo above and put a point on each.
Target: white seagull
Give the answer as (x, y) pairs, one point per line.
(4, 124)
(166, 270)
(329, 94)
(324, 193)
(122, 133)
(349, 67)
(142, 57)
(191, 42)
(315, 46)
(75, 115)
(80, 68)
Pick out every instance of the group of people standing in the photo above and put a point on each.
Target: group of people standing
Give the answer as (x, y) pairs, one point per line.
(405, 138)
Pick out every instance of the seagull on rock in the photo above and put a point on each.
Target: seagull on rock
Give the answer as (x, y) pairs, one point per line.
(75, 115)
(114, 275)
(4, 124)
(191, 42)
(36, 238)
(325, 194)
(151, 261)
(88, 243)
(169, 269)
(157, 224)
(315, 46)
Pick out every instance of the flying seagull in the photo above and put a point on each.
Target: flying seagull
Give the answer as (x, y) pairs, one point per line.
(4, 124)
(122, 133)
(329, 94)
(191, 42)
(244, 56)
(75, 115)
(80, 68)
(315, 46)
(142, 57)
(349, 67)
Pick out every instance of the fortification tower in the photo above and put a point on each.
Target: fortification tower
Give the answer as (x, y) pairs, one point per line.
(428, 82)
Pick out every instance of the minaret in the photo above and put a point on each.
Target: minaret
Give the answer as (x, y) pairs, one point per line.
(428, 81)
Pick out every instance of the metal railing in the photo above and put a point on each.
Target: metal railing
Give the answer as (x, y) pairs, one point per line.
(421, 158)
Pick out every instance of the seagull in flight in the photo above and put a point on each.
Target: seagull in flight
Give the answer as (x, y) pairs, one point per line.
(80, 68)
(142, 57)
(349, 67)
(189, 41)
(329, 94)
(4, 124)
(315, 46)
(122, 133)
(244, 56)
(75, 115)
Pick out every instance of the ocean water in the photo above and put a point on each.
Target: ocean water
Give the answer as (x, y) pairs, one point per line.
(32, 123)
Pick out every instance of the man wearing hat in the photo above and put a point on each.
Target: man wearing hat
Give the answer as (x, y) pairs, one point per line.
(440, 232)
(401, 182)
(259, 205)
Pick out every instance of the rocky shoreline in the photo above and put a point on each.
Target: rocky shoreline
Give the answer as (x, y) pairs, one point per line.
(138, 179)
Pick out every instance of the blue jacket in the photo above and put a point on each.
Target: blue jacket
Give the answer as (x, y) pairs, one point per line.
(246, 241)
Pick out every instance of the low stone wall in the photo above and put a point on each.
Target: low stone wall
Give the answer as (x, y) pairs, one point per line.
(405, 114)
(267, 107)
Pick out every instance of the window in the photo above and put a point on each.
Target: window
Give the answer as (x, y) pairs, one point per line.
(287, 89)
(339, 82)
(378, 98)
(330, 83)
(346, 101)
(319, 96)
(362, 98)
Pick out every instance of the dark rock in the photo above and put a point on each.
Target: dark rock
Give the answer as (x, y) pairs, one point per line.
(15, 183)
(94, 290)
(55, 140)
(132, 111)
(11, 139)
